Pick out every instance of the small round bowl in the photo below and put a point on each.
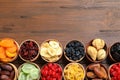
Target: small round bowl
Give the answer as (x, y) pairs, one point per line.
(87, 69)
(7, 59)
(50, 68)
(19, 68)
(111, 57)
(90, 59)
(70, 60)
(109, 73)
(55, 59)
(15, 70)
(66, 67)
(37, 50)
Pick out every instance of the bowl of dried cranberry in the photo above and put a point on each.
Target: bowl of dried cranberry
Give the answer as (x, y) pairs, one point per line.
(74, 51)
(114, 71)
(29, 50)
(51, 71)
(114, 52)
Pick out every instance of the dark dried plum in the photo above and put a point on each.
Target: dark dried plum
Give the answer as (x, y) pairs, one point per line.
(115, 51)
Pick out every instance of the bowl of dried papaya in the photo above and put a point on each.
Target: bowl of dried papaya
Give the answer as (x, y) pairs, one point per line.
(8, 50)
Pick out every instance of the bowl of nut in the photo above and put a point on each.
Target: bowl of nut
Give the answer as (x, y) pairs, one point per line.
(114, 52)
(29, 50)
(96, 50)
(74, 71)
(74, 51)
(8, 71)
(51, 50)
(96, 71)
(51, 71)
(9, 50)
(29, 71)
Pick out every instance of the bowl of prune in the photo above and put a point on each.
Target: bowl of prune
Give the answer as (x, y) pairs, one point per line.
(114, 52)
(96, 50)
(8, 71)
(96, 71)
(74, 51)
(29, 50)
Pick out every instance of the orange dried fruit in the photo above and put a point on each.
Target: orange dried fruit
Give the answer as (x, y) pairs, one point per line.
(11, 55)
(6, 59)
(12, 49)
(2, 52)
(7, 42)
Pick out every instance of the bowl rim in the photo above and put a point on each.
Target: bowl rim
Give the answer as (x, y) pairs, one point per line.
(35, 58)
(52, 63)
(17, 52)
(48, 41)
(80, 58)
(90, 44)
(74, 63)
(100, 65)
(36, 65)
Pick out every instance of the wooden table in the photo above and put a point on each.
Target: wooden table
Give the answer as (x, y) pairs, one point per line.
(64, 20)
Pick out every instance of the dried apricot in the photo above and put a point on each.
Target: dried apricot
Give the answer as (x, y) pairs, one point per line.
(7, 42)
(12, 49)
(9, 54)
(6, 59)
(2, 52)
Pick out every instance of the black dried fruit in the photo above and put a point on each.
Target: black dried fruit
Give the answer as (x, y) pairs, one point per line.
(74, 50)
(115, 51)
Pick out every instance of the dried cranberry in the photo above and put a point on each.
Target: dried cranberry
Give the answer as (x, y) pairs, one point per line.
(28, 50)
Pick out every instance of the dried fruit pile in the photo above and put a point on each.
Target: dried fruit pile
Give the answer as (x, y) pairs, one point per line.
(51, 71)
(74, 50)
(8, 50)
(115, 51)
(28, 72)
(6, 72)
(51, 50)
(74, 71)
(115, 72)
(96, 50)
(29, 50)
(96, 72)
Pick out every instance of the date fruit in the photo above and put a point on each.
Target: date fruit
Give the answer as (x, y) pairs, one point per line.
(7, 72)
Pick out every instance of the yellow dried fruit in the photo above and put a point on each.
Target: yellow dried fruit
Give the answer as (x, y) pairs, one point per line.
(98, 43)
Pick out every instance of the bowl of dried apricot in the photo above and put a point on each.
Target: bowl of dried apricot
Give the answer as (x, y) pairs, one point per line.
(8, 50)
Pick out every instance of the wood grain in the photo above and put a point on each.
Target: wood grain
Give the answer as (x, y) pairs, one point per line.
(64, 20)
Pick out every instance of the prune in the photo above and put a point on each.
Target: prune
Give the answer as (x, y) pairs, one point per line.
(115, 51)
(74, 50)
